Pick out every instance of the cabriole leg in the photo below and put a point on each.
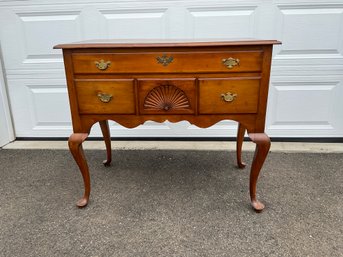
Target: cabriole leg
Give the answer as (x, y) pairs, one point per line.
(105, 129)
(75, 145)
(262, 142)
(240, 138)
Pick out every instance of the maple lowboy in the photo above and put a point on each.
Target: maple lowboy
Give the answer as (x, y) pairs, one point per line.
(203, 82)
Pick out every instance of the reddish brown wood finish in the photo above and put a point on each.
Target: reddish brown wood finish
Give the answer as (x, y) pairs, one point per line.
(105, 129)
(262, 142)
(153, 43)
(121, 90)
(190, 87)
(146, 62)
(211, 102)
(185, 85)
(75, 145)
(240, 137)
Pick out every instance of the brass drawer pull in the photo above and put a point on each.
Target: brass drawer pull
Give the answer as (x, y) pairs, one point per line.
(105, 98)
(228, 97)
(102, 65)
(164, 59)
(230, 62)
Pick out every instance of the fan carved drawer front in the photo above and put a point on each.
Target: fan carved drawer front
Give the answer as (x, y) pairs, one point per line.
(168, 62)
(167, 96)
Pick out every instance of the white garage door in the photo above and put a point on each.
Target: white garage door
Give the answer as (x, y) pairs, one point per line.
(307, 76)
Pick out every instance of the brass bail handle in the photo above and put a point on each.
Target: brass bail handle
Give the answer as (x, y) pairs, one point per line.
(102, 65)
(228, 97)
(105, 98)
(230, 62)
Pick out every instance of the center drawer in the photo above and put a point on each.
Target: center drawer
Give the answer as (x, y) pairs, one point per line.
(168, 62)
(167, 96)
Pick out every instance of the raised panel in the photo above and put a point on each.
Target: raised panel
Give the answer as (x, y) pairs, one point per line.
(313, 100)
(42, 30)
(310, 31)
(50, 105)
(221, 22)
(29, 34)
(305, 106)
(135, 23)
(40, 107)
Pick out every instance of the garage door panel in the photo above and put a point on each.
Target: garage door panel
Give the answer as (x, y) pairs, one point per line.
(136, 23)
(216, 22)
(40, 107)
(310, 31)
(35, 32)
(303, 108)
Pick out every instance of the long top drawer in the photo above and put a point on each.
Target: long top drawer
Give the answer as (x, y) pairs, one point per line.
(168, 62)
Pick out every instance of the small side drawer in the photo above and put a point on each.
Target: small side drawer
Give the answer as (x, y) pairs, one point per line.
(168, 62)
(232, 95)
(106, 96)
(166, 96)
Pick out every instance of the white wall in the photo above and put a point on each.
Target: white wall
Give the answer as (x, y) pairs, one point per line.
(307, 76)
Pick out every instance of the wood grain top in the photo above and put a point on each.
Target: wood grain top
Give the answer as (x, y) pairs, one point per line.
(136, 43)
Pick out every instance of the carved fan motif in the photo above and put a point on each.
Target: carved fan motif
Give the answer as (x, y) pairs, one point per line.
(166, 97)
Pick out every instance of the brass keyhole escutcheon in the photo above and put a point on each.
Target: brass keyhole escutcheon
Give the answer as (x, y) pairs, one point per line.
(105, 98)
(228, 97)
(164, 59)
(230, 62)
(102, 65)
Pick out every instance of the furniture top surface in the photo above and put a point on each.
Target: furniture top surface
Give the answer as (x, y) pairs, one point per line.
(136, 43)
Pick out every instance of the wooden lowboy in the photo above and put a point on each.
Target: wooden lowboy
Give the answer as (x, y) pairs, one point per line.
(203, 82)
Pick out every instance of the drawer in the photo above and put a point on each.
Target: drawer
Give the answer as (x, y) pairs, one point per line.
(166, 96)
(168, 62)
(106, 96)
(232, 95)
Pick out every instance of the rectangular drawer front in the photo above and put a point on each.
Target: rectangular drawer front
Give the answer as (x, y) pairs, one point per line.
(235, 95)
(166, 96)
(172, 62)
(106, 96)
